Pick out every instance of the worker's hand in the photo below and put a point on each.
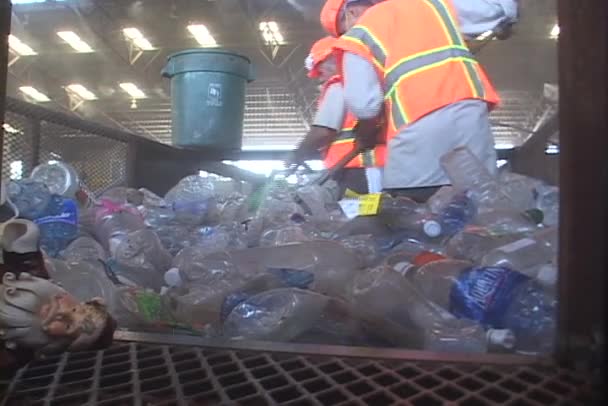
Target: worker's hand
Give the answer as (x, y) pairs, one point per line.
(295, 158)
(366, 133)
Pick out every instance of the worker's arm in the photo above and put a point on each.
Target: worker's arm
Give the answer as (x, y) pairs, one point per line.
(479, 16)
(325, 127)
(364, 97)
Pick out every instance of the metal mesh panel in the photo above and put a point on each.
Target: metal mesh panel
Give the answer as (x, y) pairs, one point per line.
(134, 374)
(18, 148)
(101, 162)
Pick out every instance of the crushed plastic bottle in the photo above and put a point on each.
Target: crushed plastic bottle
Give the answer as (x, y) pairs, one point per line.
(473, 243)
(284, 235)
(495, 297)
(547, 200)
(84, 249)
(58, 225)
(193, 200)
(520, 189)
(61, 178)
(533, 251)
(468, 174)
(502, 222)
(114, 221)
(83, 279)
(405, 214)
(31, 197)
(142, 250)
(123, 195)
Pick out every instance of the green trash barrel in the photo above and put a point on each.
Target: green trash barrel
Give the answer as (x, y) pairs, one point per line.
(208, 98)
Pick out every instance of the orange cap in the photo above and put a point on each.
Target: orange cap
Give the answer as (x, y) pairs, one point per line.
(319, 52)
(330, 16)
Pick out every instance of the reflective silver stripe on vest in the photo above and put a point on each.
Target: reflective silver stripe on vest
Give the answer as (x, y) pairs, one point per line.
(418, 62)
(346, 135)
(360, 34)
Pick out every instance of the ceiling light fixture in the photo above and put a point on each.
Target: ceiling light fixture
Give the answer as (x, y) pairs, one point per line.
(271, 33)
(19, 47)
(74, 41)
(137, 39)
(34, 94)
(554, 32)
(81, 91)
(202, 35)
(133, 91)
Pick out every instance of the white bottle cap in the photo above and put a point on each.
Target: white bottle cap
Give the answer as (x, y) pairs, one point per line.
(173, 278)
(501, 338)
(432, 228)
(547, 275)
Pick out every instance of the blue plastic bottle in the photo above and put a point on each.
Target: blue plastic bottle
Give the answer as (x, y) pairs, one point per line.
(58, 225)
(459, 212)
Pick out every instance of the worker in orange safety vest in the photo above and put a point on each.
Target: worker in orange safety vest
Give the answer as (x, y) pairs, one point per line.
(407, 62)
(332, 131)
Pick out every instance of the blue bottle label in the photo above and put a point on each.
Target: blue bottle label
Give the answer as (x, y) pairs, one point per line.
(484, 294)
(67, 214)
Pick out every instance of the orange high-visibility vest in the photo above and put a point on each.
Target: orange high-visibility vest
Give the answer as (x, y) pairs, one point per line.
(345, 141)
(420, 57)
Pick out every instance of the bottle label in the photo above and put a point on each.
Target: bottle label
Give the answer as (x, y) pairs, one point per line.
(517, 245)
(484, 294)
(68, 214)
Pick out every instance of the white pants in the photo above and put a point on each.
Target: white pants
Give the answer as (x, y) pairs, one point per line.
(413, 154)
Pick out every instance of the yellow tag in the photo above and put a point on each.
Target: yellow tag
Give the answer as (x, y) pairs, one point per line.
(369, 205)
(349, 194)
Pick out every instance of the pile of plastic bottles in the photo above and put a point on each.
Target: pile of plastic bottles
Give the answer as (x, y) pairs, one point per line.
(473, 269)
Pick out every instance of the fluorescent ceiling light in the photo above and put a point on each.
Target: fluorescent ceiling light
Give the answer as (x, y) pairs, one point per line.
(271, 33)
(9, 129)
(202, 35)
(81, 91)
(138, 39)
(554, 31)
(34, 94)
(19, 47)
(74, 41)
(134, 91)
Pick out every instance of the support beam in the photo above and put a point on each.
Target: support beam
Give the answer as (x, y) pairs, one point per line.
(5, 30)
(583, 68)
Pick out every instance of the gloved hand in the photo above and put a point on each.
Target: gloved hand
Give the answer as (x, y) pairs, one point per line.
(366, 133)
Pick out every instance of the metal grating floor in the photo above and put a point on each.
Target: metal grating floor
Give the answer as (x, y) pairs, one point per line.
(143, 375)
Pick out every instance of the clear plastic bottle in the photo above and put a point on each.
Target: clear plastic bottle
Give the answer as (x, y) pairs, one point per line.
(468, 174)
(547, 200)
(31, 197)
(284, 235)
(58, 225)
(385, 292)
(405, 214)
(456, 214)
(142, 250)
(520, 189)
(494, 297)
(113, 222)
(473, 243)
(276, 315)
(510, 221)
(84, 249)
(60, 177)
(83, 279)
(193, 200)
(533, 251)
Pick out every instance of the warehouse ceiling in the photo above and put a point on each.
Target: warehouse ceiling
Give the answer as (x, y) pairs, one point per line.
(279, 102)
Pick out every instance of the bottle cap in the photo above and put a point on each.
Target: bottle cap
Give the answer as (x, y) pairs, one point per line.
(432, 228)
(536, 215)
(501, 338)
(173, 278)
(547, 275)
